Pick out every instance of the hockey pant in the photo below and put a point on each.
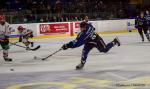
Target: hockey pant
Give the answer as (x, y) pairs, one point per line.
(99, 44)
(5, 47)
(141, 30)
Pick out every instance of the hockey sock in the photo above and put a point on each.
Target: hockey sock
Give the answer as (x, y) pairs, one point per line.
(5, 53)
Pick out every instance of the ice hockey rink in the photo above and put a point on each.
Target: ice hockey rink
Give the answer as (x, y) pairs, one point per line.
(124, 67)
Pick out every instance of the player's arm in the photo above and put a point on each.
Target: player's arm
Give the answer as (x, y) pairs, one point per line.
(29, 33)
(136, 22)
(20, 38)
(7, 33)
(80, 40)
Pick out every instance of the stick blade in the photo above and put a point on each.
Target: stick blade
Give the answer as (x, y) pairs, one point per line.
(51, 54)
(46, 57)
(36, 48)
(43, 59)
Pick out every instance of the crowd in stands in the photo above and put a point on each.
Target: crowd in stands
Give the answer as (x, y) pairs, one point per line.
(64, 10)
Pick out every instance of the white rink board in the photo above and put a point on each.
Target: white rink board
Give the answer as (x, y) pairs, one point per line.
(32, 26)
(101, 26)
(112, 25)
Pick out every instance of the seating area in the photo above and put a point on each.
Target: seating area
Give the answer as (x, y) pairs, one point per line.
(30, 11)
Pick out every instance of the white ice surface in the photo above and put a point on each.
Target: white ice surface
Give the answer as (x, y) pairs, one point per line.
(132, 55)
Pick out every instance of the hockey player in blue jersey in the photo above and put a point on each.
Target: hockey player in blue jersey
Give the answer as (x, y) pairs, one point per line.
(90, 39)
(141, 25)
(147, 17)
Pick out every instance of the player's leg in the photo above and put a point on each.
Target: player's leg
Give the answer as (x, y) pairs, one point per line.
(29, 42)
(149, 29)
(5, 47)
(102, 47)
(141, 33)
(26, 43)
(146, 33)
(32, 44)
(85, 52)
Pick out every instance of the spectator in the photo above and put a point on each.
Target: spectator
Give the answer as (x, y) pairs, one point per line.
(58, 7)
(41, 19)
(76, 18)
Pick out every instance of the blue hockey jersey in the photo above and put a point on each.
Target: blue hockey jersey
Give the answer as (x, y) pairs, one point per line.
(147, 17)
(83, 37)
(140, 22)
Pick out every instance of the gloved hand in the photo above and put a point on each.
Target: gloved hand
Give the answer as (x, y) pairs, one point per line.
(64, 47)
(20, 39)
(31, 35)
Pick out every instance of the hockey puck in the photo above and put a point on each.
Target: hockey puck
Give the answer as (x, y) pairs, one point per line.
(11, 69)
(130, 30)
(35, 57)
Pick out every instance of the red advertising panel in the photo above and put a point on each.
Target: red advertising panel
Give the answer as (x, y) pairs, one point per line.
(76, 28)
(54, 28)
(77, 24)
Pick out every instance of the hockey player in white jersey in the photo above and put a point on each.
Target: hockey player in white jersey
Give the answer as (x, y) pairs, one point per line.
(24, 35)
(4, 37)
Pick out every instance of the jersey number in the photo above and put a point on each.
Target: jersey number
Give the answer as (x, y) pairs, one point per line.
(93, 37)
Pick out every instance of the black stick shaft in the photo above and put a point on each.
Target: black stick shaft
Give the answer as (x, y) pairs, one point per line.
(52, 54)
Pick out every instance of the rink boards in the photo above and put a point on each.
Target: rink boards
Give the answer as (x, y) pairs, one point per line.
(63, 29)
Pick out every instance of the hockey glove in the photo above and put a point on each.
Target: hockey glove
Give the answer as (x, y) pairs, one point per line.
(31, 35)
(20, 39)
(64, 47)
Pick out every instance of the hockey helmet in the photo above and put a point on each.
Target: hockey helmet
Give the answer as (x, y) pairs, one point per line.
(2, 17)
(20, 28)
(83, 24)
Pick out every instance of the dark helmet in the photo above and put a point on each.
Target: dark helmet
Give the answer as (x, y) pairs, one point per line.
(83, 24)
(20, 28)
(2, 17)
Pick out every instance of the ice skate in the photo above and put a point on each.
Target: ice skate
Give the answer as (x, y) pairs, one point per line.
(117, 42)
(80, 66)
(32, 44)
(7, 59)
(27, 48)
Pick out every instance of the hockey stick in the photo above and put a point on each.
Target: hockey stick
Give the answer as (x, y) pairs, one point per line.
(51, 54)
(33, 49)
